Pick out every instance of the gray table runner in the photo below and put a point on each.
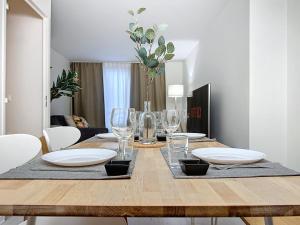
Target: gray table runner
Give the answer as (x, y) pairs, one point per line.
(275, 169)
(37, 169)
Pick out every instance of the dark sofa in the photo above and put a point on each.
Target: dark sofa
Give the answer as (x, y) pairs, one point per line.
(86, 133)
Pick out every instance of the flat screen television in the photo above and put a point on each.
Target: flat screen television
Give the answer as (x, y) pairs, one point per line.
(198, 110)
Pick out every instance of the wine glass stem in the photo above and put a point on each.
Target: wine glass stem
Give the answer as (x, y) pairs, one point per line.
(122, 147)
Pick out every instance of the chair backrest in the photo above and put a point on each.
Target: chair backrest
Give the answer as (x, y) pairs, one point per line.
(17, 149)
(61, 137)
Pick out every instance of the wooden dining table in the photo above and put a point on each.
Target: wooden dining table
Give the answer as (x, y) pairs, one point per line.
(152, 191)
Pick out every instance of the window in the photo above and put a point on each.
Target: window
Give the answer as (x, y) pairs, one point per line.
(116, 78)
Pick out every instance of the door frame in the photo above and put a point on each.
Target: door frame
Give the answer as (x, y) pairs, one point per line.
(2, 64)
(46, 62)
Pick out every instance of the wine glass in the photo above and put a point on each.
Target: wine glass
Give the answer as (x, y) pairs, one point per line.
(122, 124)
(170, 120)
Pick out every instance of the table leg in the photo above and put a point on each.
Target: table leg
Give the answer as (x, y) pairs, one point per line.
(269, 221)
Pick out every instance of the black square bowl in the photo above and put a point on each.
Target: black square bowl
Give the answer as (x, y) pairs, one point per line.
(117, 167)
(194, 167)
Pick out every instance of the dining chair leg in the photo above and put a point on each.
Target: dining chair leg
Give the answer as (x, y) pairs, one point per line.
(126, 220)
(193, 221)
(269, 221)
(31, 220)
(214, 221)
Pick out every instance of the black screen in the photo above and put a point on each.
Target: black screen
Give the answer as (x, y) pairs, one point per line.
(198, 109)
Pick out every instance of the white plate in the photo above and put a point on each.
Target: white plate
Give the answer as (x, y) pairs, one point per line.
(110, 136)
(192, 135)
(79, 157)
(228, 155)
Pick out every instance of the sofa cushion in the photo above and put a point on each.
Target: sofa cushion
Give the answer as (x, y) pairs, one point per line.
(80, 122)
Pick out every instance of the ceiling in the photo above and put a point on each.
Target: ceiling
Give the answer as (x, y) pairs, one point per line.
(94, 30)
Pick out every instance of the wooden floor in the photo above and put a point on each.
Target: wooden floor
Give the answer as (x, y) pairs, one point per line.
(276, 220)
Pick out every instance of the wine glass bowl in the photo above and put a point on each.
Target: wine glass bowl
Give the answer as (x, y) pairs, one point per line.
(170, 120)
(123, 125)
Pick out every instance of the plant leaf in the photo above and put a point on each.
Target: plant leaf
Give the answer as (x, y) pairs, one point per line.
(150, 34)
(161, 40)
(161, 69)
(143, 39)
(169, 56)
(140, 10)
(160, 50)
(151, 56)
(139, 32)
(133, 38)
(170, 47)
(152, 63)
(131, 12)
(142, 53)
(151, 73)
(132, 26)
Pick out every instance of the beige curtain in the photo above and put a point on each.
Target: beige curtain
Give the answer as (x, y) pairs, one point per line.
(138, 88)
(89, 101)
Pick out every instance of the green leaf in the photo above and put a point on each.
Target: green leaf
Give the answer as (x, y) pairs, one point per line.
(161, 69)
(151, 73)
(132, 26)
(140, 10)
(170, 47)
(139, 32)
(161, 40)
(150, 34)
(131, 12)
(160, 50)
(143, 39)
(169, 56)
(133, 38)
(151, 56)
(152, 63)
(142, 52)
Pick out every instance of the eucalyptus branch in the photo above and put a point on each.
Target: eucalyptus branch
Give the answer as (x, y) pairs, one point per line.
(144, 39)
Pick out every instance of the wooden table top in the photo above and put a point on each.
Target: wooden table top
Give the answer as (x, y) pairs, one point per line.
(152, 191)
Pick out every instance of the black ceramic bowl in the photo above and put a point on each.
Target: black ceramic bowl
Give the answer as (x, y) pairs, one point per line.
(117, 167)
(194, 167)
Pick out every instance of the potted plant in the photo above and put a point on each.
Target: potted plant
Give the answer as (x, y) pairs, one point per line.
(152, 53)
(66, 85)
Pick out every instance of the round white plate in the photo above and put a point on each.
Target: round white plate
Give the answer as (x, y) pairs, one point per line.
(110, 136)
(228, 155)
(192, 136)
(79, 157)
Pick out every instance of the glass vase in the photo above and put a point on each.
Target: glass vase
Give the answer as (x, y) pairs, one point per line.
(147, 125)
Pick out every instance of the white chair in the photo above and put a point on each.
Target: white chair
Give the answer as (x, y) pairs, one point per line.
(18, 149)
(61, 137)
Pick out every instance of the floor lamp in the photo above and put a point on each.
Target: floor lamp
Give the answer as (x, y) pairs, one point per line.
(175, 91)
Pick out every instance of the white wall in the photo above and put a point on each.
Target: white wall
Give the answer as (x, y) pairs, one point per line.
(62, 105)
(174, 75)
(293, 82)
(24, 63)
(222, 58)
(268, 78)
